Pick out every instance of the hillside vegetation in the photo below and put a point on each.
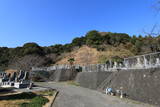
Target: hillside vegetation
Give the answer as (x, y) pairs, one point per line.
(94, 47)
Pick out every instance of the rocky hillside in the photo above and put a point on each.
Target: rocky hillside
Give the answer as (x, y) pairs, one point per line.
(84, 55)
(87, 55)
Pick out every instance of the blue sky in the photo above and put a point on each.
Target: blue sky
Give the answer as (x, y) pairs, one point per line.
(49, 22)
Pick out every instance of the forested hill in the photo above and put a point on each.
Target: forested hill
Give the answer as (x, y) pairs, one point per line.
(102, 46)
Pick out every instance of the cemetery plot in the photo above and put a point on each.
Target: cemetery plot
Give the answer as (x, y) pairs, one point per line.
(16, 79)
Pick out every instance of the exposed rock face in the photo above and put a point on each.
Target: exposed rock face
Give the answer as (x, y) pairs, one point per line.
(91, 79)
(83, 56)
(142, 85)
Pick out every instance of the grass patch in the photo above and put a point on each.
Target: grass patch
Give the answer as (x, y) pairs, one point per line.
(47, 93)
(38, 101)
(24, 95)
(73, 83)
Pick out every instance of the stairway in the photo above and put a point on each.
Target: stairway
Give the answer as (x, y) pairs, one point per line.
(106, 82)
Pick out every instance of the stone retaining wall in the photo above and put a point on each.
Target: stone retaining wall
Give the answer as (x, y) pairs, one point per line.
(91, 79)
(55, 75)
(142, 85)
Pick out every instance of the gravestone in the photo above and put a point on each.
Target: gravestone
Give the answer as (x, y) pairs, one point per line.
(13, 76)
(26, 75)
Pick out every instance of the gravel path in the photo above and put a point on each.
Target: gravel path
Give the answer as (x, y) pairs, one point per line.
(74, 96)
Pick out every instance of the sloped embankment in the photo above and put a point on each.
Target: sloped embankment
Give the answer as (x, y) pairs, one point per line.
(142, 85)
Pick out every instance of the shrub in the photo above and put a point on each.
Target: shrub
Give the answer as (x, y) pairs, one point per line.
(24, 95)
(79, 41)
(32, 48)
(38, 101)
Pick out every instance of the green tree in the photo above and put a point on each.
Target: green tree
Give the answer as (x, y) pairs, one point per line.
(71, 61)
(93, 38)
(106, 39)
(140, 37)
(118, 38)
(32, 48)
(58, 49)
(68, 47)
(79, 41)
(138, 45)
(122, 38)
(133, 39)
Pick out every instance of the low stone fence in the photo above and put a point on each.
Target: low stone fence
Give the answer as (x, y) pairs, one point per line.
(97, 68)
(56, 67)
(87, 68)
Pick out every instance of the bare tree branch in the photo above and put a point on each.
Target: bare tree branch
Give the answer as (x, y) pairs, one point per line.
(155, 31)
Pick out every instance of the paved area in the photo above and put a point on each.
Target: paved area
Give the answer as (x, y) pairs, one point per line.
(74, 96)
(31, 90)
